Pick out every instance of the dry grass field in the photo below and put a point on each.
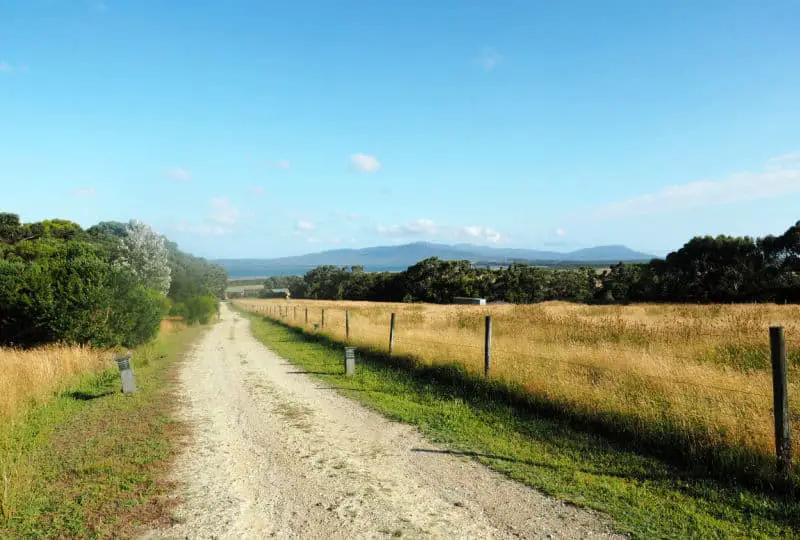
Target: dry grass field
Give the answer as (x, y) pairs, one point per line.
(699, 373)
(30, 376)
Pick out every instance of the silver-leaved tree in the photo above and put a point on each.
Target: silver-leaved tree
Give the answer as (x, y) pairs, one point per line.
(144, 253)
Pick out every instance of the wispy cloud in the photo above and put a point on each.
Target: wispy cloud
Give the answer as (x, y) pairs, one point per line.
(283, 164)
(781, 175)
(418, 227)
(365, 163)
(561, 233)
(6, 67)
(84, 192)
(488, 59)
(428, 228)
(305, 230)
(179, 174)
(223, 213)
(256, 190)
(303, 225)
(484, 234)
(221, 219)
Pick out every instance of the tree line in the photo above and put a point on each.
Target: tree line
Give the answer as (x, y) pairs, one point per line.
(108, 285)
(706, 269)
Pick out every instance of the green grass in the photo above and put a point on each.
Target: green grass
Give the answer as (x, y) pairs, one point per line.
(89, 463)
(644, 495)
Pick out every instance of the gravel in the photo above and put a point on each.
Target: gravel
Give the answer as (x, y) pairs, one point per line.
(275, 453)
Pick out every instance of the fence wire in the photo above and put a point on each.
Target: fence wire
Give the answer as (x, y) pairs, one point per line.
(284, 313)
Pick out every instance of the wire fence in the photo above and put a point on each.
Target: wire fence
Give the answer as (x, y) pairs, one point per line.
(749, 416)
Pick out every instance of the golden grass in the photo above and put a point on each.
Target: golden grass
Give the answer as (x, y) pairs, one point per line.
(30, 376)
(699, 370)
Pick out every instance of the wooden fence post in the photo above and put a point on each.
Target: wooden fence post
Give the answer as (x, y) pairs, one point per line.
(780, 395)
(306, 315)
(347, 325)
(391, 334)
(294, 314)
(487, 347)
(322, 322)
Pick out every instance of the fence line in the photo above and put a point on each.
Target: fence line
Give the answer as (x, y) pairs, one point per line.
(777, 346)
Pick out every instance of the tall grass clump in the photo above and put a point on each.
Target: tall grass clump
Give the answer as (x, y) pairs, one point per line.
(31, 375)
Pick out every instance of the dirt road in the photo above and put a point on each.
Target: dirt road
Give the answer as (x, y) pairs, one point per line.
(276, 454)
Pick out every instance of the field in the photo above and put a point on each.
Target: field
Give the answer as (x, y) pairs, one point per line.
(694, 380)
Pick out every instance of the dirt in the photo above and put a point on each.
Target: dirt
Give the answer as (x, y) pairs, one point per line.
(276, 453)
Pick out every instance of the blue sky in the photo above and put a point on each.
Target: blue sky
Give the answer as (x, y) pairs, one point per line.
(261, 129)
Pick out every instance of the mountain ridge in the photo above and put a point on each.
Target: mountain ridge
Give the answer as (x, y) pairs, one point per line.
(398, 257)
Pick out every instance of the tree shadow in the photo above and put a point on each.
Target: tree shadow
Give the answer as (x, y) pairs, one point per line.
(85, 396)
(621, 446)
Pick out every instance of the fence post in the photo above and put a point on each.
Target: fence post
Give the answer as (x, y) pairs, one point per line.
(294, 313)
(322, 322)
(306, 315)
(780, 395)
(347, 325)
(391, 334)
(487, 347)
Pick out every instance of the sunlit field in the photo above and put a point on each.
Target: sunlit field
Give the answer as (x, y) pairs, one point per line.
(32, 375)
(696, 376)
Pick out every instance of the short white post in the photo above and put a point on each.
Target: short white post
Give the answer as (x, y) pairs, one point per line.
(126, 373)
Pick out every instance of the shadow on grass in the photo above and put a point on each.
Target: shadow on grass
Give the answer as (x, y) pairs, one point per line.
(622, 446)
(532, 463)
(86, 396)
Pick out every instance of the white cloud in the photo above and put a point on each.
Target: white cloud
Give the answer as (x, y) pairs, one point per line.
(365, 163)
(305, 226)
(417, 227)
(488, 59)
(283, 164)
(561, 233)
(424, 227)
(781, 175)
(179, 174)
(223, 213)
(485, 234)
(84, 192)
(5, 67)
(257, 190)
(305, 229)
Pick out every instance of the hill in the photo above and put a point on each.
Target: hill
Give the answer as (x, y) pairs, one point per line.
(389, 258)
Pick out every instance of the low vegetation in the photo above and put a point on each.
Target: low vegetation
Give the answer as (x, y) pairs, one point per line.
(76, 458)
(690, 383)
(647, 496)
(86, 461)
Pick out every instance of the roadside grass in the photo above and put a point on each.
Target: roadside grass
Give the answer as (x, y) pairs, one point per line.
(90, 462)
(645, 496)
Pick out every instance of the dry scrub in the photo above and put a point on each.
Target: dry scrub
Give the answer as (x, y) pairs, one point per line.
(699, 373)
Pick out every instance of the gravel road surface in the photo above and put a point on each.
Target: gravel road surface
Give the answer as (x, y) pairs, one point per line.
(275, 453)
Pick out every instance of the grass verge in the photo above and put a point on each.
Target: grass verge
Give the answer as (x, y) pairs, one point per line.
(645, 496)
(90, 462)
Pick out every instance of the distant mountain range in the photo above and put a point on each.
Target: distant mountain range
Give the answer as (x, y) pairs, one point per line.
(390, 258)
